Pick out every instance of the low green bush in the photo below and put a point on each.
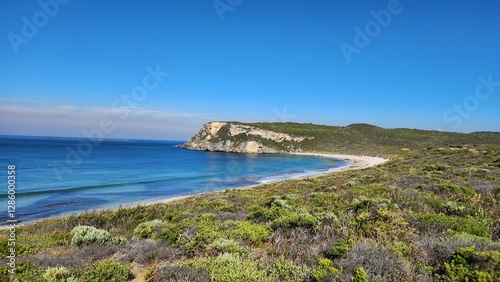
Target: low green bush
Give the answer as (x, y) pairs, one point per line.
(221, 246)
(119, 240)
(24, 271)
(59, 274)
(257, 214)
(285, 270)
(145, 229)
(150, 273)
(437, 167)
(324, 268)
(456, 189)
(32, 243)
(326, 216)
(454, 208)
(4, 246)
(280, 202)
(402, 249)
(108, 270)
(469, 225)
(252, 233)
(467, 264)
(170, 234)
(200, 231)
(231, 267)
(360, 275)
(176, 273)
(295, 219)
(363, 203)
(339, 249)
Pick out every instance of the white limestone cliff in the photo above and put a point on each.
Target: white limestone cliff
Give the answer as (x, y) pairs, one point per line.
(240, 138)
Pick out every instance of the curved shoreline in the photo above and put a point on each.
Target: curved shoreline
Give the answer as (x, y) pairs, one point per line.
(358, 162)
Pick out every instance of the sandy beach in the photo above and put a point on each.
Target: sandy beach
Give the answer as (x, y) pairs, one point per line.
(357, 162)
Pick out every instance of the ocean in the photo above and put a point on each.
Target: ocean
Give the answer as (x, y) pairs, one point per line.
(57, 176)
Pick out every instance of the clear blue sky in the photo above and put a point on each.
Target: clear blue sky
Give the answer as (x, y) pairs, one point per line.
(68, 66)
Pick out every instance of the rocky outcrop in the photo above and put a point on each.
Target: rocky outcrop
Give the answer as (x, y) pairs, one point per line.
(240, 138)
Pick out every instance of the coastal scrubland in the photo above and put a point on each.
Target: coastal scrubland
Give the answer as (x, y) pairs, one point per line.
(431, 213)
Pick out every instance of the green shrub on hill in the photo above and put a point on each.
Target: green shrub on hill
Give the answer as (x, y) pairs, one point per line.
(324, 269)
(108, 270)
(145, 229)
(470, 225)
(24, 271)
(231, 267)
(467, 264)
(59, 274)
(221, 246)
(252, 233)
(339, 249)
(360, 275)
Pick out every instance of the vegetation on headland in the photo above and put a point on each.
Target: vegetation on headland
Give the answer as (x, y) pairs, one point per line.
(352, 139)
(368, 139)
(431, 213)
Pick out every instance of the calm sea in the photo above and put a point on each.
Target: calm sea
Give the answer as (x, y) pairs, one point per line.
(59, 176)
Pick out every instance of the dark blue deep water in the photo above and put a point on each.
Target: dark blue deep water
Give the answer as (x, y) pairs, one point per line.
(58, 176)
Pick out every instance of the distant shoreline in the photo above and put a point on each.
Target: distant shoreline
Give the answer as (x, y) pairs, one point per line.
(358, 162)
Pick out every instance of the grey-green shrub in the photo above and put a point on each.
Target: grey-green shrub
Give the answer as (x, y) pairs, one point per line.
(285, 270)
(145, 229)
(87, 235)
(231, 267)
(221, 246)
(58, 274)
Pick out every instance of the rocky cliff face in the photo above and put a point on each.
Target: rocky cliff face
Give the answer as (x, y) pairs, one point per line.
(239, 138)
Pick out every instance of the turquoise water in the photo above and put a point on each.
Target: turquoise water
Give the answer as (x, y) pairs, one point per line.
(59, 176)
